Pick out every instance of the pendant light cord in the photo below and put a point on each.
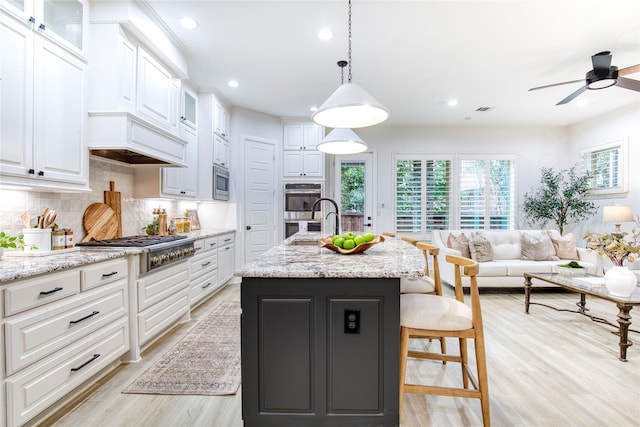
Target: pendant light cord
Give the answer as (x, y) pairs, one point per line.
(349, 75)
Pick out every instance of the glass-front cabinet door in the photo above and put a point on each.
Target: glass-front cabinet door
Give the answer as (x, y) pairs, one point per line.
(64, 19)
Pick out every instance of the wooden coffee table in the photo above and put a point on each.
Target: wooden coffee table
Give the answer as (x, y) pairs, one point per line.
(598, 291)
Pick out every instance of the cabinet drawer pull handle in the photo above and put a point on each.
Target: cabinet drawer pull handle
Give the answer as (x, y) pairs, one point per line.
(32, 19)
(212, 244)
(73, 322)
(107, 275)
(204, 264)
(227, 240)
(198, 249)
(52, 291)
(205, 286)
(95, 356)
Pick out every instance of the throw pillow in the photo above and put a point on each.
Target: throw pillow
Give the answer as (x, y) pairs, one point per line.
(459, 243)
(537, 248)
(480, 248)
(565, 246)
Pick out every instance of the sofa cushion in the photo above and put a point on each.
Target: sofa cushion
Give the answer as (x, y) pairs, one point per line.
(565, 246)
(480, 248)
(504, 244)
(517, 267)
(460, 243)
(535, 248)
(493, 268)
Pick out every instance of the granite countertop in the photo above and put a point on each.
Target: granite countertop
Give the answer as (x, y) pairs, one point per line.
(20, 267)
(293, 258)
(14, 267)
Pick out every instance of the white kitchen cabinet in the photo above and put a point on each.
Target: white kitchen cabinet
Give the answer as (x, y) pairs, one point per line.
(183, 182)
(189, 106)
(303, 164)
(157, 92)
(43, 113)
(61, 330)
(220, 151)
(226, 257)
(64, 21)
(203, 270)
(301, 159)
(221, 120)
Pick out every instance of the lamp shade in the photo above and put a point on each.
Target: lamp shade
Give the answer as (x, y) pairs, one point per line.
(350, 106)
(617, 214)
(342, 141)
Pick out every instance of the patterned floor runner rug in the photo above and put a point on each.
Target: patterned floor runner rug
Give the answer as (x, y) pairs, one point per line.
(206, 361)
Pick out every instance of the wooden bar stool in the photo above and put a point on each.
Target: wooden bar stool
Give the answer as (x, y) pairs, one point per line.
(388, 234)
(410, 240)
(429, 316)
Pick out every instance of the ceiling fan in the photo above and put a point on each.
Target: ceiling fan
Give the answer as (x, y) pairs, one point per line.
(602, 76)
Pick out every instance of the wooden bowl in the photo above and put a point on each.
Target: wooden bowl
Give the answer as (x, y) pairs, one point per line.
(327, 242)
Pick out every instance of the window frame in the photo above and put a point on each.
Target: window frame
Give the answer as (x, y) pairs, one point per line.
(623, 163)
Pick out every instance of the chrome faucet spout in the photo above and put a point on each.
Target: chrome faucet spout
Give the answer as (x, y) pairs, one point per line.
(335, 205)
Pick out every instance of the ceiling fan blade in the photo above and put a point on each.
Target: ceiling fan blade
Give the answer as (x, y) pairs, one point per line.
(572, 96)
(556, 84)
(629, 70)
(628, 83)
(601, 63)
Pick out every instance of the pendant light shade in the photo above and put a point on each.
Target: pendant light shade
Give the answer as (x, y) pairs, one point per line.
(350, 106)
(342, 141)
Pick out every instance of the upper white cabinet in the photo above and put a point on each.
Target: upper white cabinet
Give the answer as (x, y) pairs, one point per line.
(301, 159)
(183, 182)
(42, 108)
(220, 151)
(221, 120)
(189, 106)
(64, 21)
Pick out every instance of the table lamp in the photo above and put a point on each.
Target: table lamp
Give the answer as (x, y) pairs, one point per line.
(617, 214)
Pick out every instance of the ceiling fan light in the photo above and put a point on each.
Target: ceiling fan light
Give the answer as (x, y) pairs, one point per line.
(595, 81)
(350, 106)
(342, 141)
(601, 84)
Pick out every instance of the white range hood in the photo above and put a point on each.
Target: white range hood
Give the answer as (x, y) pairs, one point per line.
(125, 138)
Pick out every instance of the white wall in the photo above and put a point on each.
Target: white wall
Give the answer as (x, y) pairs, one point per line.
(534, 147)
(623, 123)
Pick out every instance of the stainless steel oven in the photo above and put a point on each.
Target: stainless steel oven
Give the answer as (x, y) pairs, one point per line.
(220, 183)
(298, 200)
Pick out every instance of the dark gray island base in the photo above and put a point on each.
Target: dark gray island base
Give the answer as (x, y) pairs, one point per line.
(320, 345)
(300, 367)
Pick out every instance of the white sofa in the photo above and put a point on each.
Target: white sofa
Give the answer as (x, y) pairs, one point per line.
(506, 269)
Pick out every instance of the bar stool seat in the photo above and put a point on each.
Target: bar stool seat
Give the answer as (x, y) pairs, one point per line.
(419, 311)
(417, 285)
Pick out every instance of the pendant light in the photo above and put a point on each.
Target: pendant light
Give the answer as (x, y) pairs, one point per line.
(342, 140)
(350, 106)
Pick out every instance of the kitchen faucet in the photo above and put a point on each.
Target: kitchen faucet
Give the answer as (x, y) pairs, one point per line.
(335, 205)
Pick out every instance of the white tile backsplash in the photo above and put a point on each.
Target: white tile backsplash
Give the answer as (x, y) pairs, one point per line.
(136, 213)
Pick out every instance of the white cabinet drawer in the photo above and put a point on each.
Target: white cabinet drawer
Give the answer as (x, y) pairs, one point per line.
(198, 245)
(203, 286)
(162, 316)
(225, 239)
(211, 243)
(36, 388)
(103, 272)
(203, 263)
(156, 287)
(43, 331)
(36, 292)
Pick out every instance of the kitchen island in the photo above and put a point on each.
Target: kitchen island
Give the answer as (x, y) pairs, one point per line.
(320, 333)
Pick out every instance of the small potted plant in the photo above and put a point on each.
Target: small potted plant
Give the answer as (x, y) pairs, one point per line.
(12, 242)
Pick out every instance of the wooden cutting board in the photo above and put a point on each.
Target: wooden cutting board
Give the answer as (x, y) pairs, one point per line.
(100, 222)
(113, 199)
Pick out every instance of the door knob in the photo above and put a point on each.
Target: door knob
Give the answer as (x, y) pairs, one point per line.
(248, 227)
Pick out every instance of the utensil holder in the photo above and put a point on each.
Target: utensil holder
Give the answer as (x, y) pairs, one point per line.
(41, 237)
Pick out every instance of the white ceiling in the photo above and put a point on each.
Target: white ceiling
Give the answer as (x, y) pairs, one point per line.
(413, 56)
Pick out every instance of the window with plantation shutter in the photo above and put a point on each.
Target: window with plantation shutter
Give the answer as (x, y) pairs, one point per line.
(422, 194)
(487, 192)
(608, 168)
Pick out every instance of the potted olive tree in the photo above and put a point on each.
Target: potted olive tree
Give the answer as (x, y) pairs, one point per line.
(560, 198)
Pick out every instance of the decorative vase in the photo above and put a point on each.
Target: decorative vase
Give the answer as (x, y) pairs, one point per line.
(620, 281)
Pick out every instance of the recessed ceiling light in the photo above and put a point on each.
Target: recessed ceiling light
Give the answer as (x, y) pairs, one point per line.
(233, 83)
(325, 34)
(188, 23)
(452, 103)
(313, 109)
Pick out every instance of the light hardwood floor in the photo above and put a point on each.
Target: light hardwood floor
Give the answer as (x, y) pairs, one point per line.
(547, 368)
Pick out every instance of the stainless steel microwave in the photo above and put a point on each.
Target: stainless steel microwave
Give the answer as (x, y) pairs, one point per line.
(220, 183)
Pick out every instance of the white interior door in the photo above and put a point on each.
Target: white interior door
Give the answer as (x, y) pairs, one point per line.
(355, 192)
(259, 197)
